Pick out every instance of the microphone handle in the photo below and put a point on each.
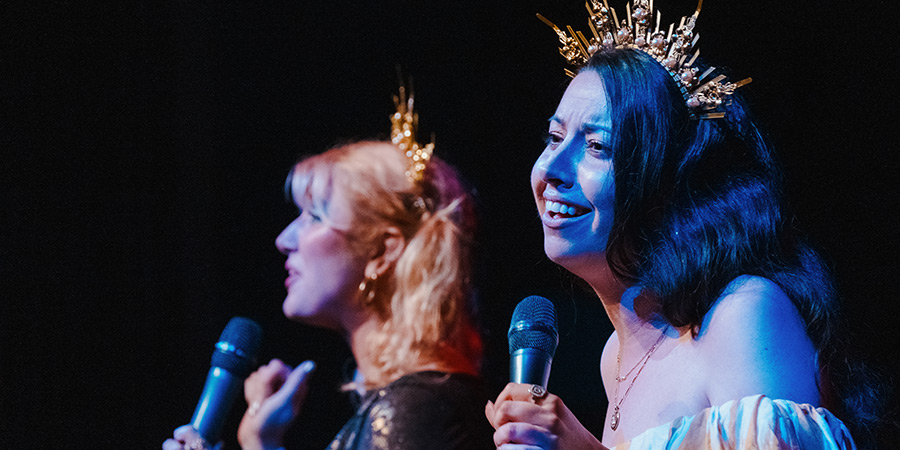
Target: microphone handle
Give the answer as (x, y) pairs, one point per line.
(219, 393)
(529, 366)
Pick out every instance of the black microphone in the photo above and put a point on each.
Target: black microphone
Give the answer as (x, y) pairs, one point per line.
(533, 336)
(233, 359)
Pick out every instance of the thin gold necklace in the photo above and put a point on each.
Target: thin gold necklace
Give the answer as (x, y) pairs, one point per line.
(614, 422)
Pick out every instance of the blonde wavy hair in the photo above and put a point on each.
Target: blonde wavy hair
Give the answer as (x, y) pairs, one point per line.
(424, 301)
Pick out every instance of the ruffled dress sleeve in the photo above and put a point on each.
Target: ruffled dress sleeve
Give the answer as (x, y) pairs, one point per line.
(755, 422)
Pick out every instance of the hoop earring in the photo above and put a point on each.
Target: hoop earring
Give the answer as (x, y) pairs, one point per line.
(367, 288)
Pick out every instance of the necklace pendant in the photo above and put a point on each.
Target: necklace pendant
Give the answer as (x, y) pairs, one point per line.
(614, 422)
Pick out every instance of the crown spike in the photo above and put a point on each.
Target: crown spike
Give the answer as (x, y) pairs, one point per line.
(581, 48)
(693, 58)
(628, 15)
(549, 23)
(594, 31)
(583, 41)
(742, 82)
(706, 85)
(615, 18)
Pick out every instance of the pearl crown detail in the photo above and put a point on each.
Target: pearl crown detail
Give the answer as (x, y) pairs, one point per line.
(704, 96)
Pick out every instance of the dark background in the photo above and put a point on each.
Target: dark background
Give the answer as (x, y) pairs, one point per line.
(145, 148)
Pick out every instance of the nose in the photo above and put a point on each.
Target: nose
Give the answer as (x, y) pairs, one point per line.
(557, 167)
(286, 242)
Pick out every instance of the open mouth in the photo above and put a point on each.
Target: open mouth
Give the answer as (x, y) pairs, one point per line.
(292, 276)
(558, 210)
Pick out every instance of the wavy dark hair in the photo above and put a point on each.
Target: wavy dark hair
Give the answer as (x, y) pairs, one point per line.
(699, 203)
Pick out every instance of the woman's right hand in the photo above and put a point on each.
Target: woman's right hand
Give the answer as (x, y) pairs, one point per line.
(275, 394)
(187, 438)
(522, 420)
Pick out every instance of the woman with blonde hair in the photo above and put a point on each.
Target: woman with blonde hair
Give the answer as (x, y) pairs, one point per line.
(380, 252)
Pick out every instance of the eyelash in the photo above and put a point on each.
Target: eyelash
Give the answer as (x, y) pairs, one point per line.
(309, 214)
(600, 149)
(592, 146)
(552, 139)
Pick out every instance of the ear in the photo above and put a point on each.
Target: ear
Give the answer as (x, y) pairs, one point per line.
(388, 252)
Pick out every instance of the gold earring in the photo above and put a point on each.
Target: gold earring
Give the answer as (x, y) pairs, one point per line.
(366, 287)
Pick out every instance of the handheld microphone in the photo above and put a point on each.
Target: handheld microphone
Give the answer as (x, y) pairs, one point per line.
(233, 359)
(533, 336)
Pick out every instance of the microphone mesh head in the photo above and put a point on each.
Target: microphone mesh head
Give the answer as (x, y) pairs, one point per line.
(237, 347)
(534, 326)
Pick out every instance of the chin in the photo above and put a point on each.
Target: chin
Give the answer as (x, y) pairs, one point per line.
(581, 264)
(313, 318)
(559, 252)
(296, 312)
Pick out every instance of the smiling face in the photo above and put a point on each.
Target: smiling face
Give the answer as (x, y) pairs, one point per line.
(324, 270)
(572, 180)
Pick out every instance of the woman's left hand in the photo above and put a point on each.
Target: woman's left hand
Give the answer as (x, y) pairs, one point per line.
(275, 394)
(524, 417)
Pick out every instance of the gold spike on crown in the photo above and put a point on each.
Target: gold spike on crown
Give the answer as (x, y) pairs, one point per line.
(703, 95)
(404, 123)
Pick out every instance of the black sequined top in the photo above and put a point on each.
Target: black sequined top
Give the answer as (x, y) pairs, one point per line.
(423, 410)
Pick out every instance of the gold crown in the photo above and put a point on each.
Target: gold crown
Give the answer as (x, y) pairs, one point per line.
(404, 123)
(703, 95)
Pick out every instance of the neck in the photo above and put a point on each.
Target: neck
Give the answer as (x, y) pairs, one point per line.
(359, 338)
(635, 314)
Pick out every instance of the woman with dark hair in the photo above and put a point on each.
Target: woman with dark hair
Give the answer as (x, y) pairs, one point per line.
(381, 252)
(657, 189)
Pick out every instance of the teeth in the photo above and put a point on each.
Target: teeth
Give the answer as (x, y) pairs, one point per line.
(552, 206)
(560, 208)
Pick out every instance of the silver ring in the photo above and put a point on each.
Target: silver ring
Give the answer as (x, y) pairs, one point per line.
(198, 444)
(537, 392)
(254, 408)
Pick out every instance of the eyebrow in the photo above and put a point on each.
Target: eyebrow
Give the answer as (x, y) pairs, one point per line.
(592, 126)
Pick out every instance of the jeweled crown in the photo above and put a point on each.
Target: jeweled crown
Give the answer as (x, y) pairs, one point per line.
(704, 95)
(404, 124)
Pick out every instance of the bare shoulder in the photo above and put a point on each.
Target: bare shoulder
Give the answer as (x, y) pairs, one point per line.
(753, 341)
(748, 301)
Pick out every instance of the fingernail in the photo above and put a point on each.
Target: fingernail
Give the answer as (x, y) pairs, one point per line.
(308, 366)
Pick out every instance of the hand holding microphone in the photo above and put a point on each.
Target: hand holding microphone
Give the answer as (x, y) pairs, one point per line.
(525, 413)
(233, 359)
(274, 394)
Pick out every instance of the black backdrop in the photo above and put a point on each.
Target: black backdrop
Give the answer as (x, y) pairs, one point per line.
(145, 147)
